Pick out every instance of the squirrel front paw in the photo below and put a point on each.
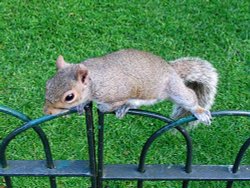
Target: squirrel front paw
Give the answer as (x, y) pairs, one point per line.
(203, 115)
(80, 108)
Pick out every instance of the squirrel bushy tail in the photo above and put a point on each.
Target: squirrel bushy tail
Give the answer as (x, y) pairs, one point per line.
(200, 76)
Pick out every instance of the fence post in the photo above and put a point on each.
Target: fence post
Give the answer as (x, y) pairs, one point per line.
(91, 143)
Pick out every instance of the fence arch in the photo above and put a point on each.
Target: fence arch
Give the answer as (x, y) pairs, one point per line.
(88, 167)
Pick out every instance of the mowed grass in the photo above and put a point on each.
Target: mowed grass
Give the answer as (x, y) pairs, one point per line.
(34, 33)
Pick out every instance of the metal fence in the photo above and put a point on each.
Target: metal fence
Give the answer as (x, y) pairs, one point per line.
(95, 167)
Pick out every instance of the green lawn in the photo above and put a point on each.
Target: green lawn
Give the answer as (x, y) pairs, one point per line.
(34, 33)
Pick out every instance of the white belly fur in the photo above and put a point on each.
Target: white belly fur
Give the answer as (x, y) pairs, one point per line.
(133, 103)
(139, 102)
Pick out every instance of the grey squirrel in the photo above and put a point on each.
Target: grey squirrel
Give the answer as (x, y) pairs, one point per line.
(131, 78)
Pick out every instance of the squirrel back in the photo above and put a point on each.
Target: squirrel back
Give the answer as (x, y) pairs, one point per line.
(132, 73)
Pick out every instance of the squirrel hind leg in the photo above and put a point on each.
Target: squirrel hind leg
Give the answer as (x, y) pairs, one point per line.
(186, 98)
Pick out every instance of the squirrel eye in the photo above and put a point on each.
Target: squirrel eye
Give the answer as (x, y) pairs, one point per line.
(69, 97)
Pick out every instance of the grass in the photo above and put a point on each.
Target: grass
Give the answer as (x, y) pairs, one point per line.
(34, 33)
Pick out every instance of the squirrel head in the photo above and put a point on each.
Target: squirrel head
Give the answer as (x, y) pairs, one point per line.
(70, 87)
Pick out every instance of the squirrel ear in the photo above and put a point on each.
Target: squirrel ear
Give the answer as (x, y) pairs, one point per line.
(60, 63)
(82, 73)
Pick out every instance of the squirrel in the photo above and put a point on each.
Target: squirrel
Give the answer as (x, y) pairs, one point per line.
(131, 78)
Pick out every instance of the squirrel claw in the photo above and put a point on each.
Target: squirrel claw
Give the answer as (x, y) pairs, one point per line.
(121, 111)
(204, 117)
